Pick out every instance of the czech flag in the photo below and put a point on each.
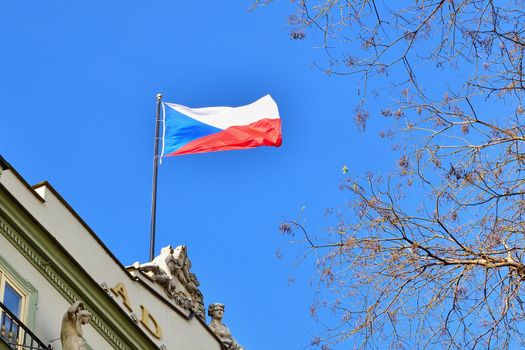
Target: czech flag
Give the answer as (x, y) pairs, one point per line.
(197, 130)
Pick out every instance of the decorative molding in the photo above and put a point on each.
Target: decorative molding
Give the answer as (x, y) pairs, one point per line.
(58, 282)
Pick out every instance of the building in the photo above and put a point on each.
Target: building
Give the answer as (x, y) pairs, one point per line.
(56, 275)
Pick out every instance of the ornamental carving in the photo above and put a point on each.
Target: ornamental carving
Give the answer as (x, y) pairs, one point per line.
(171, 271)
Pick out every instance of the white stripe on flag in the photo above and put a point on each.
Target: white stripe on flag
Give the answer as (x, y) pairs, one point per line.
(224, 117)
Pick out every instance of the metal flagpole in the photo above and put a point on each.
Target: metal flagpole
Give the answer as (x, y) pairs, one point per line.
(154, 185)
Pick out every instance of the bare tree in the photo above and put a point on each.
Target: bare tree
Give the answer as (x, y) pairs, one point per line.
(431, 255)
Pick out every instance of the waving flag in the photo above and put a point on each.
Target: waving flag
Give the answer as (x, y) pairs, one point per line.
(197, 130)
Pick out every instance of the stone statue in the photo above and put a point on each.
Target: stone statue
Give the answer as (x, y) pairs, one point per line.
(172, 270)
(216, 312)
(71, 330)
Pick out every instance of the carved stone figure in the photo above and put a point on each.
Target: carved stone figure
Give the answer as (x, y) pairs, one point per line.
(181, 269)
(71, 330)
(216, 312)
(157, 275)
(198, 306)
(171, 270)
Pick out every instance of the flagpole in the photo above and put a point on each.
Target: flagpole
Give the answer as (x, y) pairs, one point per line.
(154, 185)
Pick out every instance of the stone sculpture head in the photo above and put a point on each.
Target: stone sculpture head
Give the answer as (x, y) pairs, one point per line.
(216, 311)
(84, 317)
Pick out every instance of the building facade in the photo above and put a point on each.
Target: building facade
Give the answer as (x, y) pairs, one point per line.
(61, 288)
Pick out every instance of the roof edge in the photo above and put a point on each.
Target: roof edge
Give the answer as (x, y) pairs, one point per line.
(6, 166)
(3, 163)
(106, 249)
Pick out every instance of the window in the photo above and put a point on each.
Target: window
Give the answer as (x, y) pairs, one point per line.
(14, 299)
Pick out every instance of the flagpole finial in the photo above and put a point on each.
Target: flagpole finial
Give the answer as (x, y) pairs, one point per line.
(159, 97)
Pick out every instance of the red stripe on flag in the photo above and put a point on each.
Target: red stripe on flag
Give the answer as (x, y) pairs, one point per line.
(264, 132)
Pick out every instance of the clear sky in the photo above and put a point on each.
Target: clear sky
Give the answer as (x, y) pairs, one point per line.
(77, 102)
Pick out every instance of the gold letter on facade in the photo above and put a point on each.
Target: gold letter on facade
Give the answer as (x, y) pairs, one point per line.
(145, 321)
(121, 290)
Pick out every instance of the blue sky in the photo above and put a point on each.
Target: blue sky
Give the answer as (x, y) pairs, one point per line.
(77, 108)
